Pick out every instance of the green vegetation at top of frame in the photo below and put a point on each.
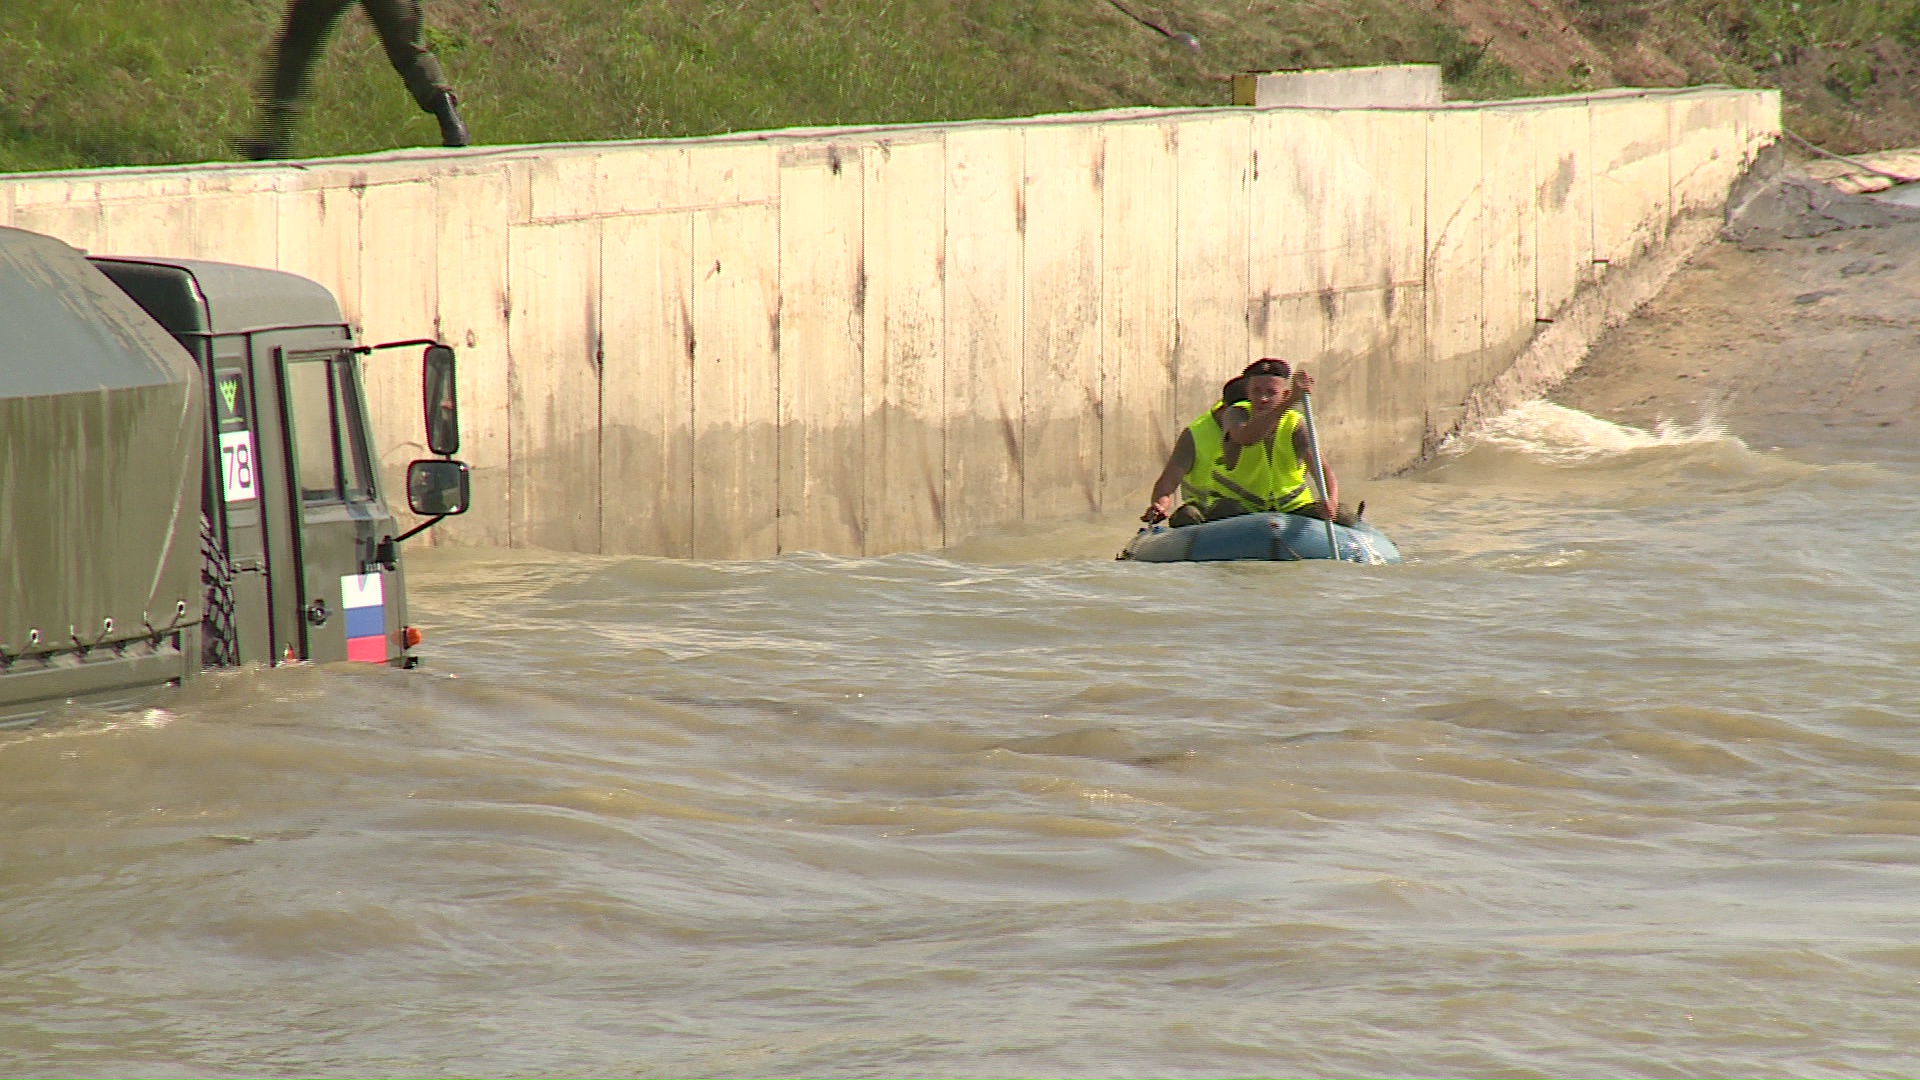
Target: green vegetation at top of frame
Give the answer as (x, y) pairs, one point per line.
(136, 82)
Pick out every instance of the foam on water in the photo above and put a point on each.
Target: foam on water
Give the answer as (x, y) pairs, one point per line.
(1559, 435)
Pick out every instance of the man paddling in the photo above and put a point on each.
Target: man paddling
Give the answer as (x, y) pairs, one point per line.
(1247, 454)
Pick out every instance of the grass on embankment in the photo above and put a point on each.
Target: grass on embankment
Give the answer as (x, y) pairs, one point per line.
(108, 82)
(123, 82)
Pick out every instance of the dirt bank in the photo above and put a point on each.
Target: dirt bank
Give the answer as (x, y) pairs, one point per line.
(1808, 343)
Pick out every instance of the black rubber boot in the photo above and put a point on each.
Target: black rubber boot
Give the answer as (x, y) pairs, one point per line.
(452, 131)
(273, 139)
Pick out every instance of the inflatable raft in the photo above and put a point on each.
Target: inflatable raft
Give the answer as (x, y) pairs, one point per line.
(1271, 537)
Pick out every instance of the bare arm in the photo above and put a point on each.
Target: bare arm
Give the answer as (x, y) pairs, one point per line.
(1178, 463)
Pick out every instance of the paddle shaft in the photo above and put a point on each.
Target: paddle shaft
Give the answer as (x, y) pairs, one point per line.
(1320, 471)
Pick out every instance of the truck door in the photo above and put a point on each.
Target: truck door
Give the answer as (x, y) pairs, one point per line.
(351, 606)
(242, 490)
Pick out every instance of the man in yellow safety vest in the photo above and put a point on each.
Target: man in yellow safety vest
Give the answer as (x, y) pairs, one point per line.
(1248, 454)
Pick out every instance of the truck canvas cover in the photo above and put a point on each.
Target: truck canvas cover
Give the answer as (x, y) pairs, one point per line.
(101, 443)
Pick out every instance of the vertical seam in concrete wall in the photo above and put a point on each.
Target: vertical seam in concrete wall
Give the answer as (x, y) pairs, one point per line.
(692, 346)
(1105, 413)
(780, 517)
(946, 415)
(598, 298)
(1593, 205)
(1673, 206)
(1426, 281)
(1020, 345)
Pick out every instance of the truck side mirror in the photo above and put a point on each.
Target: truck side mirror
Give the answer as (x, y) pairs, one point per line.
(443, 410)
(438, 488)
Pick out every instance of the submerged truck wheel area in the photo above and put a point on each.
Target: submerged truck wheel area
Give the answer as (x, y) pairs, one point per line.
(186, 479)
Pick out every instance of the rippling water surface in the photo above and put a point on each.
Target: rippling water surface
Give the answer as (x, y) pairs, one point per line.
(1616, 778)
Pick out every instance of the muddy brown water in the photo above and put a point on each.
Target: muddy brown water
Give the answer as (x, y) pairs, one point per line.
(1616, 777)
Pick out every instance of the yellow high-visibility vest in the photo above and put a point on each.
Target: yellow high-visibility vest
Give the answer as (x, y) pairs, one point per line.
(1265, 478)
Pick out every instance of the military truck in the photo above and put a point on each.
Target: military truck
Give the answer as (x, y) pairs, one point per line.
(186, 480)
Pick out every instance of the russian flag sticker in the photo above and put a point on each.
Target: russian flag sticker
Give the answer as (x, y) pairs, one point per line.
(365, 608)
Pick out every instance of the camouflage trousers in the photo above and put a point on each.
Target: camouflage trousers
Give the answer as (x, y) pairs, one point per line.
(305, 32)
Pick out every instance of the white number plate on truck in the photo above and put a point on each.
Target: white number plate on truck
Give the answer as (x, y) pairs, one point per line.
(238, 470)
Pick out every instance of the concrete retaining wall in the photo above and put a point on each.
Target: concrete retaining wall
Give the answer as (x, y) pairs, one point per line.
(869, 340)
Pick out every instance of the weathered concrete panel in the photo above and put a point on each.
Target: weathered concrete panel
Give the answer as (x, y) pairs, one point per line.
(1631, 197)
(67, 209)
(147, 215)
(646, 412)
(1703, 163)
(1563, 205)
(399, 288)
(823, 456)
(320, 239)
(644, 180)
(985, 336)
(1375, 419)
(1338, 201)
(1138, 285)
(1063, 439)
(1455, 261)
(905, 338)
(553, 499)
(1215, 177)
(563, 185)
(1288, 228)
(237, 218)
(722, 173)
(472, 266)
(736, 266)
(1510, 225)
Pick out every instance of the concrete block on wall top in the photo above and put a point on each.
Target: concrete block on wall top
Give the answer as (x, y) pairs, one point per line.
(1064, 166)
(472, 257)
(984, 350)
(646, 385)
(1563, 205)
(1139, 262)
(399, 294)
(1387, 86)
(1631, 182)
(1215, 166)
(736, 267)
(823, 458)
(554, 488)
(905, 391)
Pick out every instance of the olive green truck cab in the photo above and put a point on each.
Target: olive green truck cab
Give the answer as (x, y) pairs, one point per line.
(186, 480)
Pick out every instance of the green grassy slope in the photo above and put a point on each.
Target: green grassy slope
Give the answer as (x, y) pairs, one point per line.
(105, 82)
(112, 82)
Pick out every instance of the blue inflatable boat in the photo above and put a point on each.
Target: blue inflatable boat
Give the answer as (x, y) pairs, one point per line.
(1270, 537)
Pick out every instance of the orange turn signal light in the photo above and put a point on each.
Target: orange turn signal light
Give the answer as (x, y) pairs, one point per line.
(411, 636)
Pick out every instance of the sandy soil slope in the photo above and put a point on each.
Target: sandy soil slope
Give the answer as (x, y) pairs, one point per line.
(1807, 342)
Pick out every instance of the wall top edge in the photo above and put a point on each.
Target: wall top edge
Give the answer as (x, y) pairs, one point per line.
(481, 157)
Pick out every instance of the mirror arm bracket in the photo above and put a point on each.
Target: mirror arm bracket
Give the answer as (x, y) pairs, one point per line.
(384, 552)
(365, 349)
